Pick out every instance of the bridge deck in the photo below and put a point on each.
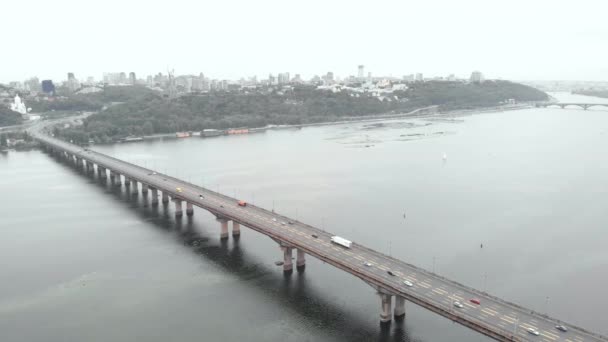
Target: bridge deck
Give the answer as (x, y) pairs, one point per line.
(496, 318)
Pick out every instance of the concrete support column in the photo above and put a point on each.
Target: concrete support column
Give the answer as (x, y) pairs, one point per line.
(165, 197)
(102, 171)
(287, 262)
(178, 207)
(399, 311)
(224, 231)
(300, 260)
(113, 178)
(189, 209)
(236, 228)
(144, 189)
(127, 182)
(154, 196)
(133, 187)
(386, 303)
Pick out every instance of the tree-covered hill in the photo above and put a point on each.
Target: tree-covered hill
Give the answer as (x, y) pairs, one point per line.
(9, 117)
(147, 112)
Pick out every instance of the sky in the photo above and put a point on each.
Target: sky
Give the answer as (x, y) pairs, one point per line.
(229, 39)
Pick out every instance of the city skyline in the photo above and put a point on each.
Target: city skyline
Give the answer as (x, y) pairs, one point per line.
(527, 41)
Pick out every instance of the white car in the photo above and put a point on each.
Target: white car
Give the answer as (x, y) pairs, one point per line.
(274, 219)
(367, 263)
(408, 283)
(533, 331)
(458, 305)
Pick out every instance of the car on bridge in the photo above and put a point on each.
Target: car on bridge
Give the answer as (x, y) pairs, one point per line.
(458, 305)
(475, 301)
(561, 328)
(532, 331)
(408, 283)
(178, 189)
(242, 203)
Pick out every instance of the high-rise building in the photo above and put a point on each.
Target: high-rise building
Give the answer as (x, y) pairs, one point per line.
(477, 77)
(72, 82)
(33, 84)
(132, 78)
(329, 78)
(123, 78)
(284, 78)
(361, 73)
(419, 77)
(48, 87)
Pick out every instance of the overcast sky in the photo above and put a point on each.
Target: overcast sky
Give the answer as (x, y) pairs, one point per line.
(514, 39)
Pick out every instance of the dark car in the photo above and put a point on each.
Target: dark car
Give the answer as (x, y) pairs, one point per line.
(315, 236)
(390, 273)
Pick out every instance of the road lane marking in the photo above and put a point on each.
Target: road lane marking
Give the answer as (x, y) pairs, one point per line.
(425, 285)
(550, 334)
(440, 291)
(544, 334)
(492, 312)
(508, 319)
(488, 312)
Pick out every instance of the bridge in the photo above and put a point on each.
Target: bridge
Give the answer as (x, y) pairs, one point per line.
(563, 105)
(393, 280)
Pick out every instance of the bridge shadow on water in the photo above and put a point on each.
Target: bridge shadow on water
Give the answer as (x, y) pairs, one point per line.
(292, 291)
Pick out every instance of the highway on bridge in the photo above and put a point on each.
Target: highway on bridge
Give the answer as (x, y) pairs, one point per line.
(493, 317)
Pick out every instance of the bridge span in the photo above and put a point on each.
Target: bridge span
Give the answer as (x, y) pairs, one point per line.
(563, 105)
(494, 317)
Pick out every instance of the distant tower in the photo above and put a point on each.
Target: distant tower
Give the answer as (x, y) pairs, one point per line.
(477, 77)
(132, 78)
(172, 88)
(72, 82)
(361, 73)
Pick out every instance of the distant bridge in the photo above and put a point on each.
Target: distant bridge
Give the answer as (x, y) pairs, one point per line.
(566, 104)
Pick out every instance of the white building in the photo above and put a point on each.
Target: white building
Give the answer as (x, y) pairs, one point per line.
(19, 106)
(477, 77)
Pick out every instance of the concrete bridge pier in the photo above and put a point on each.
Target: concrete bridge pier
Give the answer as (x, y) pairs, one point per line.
(144, 189)
(114, 178)
(224, 227)
(189, 209)
(133, 187)
(386, 303)
(154, 196)
(236, 229)
(179, 212)
(399, 311)
(90, 167)
(102, 172)
(127, 182)
(300, 260)
(287, 260)
(165, 197)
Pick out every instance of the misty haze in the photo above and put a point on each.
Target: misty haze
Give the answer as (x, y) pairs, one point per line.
(319, 171)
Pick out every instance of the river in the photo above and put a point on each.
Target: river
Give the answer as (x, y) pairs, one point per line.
(82, 261)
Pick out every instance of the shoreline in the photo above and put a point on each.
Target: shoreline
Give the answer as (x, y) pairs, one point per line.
(423, 112)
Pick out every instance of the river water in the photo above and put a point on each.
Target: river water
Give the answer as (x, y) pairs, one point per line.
(82, 261)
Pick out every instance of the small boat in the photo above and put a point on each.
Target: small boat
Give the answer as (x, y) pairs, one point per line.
(278, 263)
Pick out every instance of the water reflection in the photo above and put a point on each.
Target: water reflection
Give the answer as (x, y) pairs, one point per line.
(291, 291)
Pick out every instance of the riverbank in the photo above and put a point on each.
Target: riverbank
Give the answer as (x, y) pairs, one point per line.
(429, 111)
